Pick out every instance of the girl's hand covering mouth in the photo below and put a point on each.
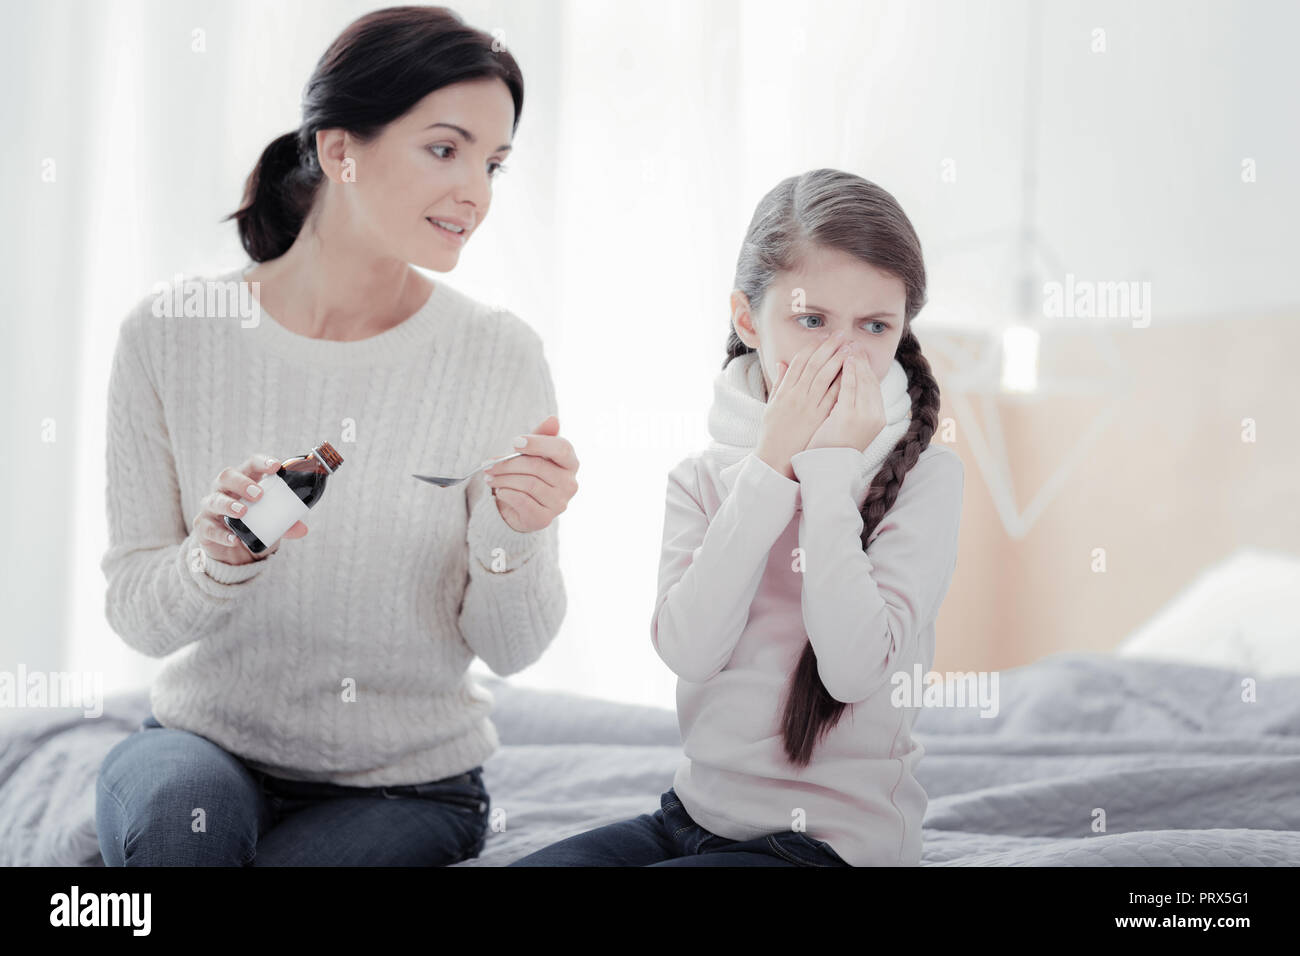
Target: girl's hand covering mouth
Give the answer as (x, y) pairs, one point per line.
(802, 396)
(859, 412)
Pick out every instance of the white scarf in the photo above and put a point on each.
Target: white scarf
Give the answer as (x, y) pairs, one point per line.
(740, 397)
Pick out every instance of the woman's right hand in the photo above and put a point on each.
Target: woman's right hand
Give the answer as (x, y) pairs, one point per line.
(802, 396)
(232, 492)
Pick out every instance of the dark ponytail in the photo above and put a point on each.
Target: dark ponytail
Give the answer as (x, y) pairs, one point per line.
(277, 197)
(838, 210)
(378, 68)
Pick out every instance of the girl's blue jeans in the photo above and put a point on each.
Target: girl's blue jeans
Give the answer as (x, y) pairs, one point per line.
(168, 797)
(669, 837)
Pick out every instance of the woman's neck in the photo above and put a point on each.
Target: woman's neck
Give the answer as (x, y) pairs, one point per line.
(337, 295)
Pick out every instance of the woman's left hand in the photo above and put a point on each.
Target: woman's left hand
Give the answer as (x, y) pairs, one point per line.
(534, 488)
(859, 411)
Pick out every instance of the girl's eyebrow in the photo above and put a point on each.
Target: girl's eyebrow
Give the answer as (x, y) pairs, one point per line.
(873, 315)
(469, 137)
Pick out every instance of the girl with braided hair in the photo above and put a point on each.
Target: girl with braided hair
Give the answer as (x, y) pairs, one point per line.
(806, 553)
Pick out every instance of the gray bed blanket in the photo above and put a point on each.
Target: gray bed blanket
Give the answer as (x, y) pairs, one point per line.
(1091, 760)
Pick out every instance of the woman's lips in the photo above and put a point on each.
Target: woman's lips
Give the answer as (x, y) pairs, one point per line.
(456, 237)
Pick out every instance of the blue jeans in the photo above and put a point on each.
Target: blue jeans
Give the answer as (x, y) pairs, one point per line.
(669, 837)
(168, 797)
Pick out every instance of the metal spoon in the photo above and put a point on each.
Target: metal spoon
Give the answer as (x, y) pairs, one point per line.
(448, 482)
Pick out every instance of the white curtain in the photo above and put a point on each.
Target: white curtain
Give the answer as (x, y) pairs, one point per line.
(650, 131)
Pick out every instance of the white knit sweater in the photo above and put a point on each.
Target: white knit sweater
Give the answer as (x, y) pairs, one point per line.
(390, 595)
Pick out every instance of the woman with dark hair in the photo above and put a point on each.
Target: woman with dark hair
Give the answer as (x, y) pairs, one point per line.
(806, 553)
(321, 711)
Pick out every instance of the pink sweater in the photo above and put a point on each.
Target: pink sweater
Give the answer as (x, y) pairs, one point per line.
(732, 617)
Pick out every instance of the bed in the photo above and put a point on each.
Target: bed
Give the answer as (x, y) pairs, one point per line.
(1187, 772)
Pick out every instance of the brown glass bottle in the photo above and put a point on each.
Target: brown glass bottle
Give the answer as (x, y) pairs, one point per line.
(286, 497)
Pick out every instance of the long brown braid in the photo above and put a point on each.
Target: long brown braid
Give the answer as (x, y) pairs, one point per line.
(827, 207)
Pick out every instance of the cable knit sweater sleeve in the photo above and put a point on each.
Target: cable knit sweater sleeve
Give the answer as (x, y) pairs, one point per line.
(163, 589)
(709, 571)
(514, 599)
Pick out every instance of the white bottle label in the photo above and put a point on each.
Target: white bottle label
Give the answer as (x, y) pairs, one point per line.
(275, 512)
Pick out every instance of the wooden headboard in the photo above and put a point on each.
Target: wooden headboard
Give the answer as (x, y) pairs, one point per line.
(1166, 488)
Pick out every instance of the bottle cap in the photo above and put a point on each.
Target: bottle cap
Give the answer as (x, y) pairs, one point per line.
(327, 456)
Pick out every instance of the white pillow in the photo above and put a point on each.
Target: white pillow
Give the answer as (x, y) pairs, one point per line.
(1242, 613)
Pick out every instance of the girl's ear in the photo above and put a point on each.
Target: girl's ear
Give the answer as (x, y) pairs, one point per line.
(742, 319)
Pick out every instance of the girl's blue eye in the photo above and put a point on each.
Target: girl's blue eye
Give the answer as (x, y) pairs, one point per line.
(819, 319)
(494, 167)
